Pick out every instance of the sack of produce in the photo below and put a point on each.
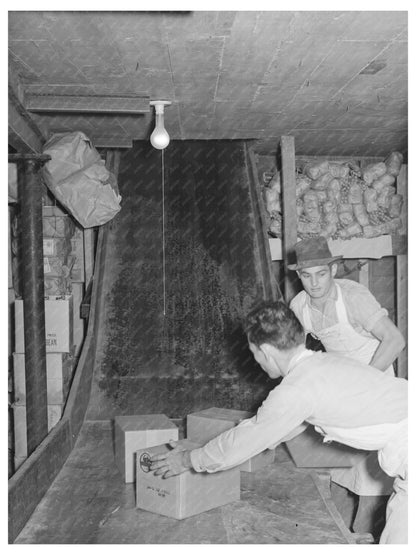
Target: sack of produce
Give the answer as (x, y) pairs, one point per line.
(334, 191)
(374, 171)
(394, 163)
(383, 181)
(339, 170)
(360, 214)
(322, 182)
(384, 198)
(315, 170)
(370, 200)
(395, 208)
(302, 185)
(355, 194)
(351, 230)
(311, 206)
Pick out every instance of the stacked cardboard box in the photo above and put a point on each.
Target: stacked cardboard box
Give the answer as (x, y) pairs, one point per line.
(204, 425)
(59, 366)
(138, 432)
(187, 494)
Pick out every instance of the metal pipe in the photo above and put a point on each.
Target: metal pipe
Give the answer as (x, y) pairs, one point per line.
(30, 197)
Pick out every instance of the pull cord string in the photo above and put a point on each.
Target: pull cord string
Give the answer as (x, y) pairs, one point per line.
(163, 233)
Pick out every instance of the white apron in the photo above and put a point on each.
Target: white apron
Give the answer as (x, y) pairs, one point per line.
(390, 441)
(366, 477)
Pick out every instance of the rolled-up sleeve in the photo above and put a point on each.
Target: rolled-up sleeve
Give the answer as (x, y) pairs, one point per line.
(285, 408)
(364, 307)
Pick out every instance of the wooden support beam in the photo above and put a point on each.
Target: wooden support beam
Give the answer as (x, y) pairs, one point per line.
(402, 279)
(287, 147)
(100, 104)
(24, 134)
(271, 289)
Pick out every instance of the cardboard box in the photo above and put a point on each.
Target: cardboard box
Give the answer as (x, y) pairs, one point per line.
(138, 432)
(58, 325)
(309, 451)
(184, 495)
(59, 368)
(20, 434)
(206, 424)
(56, 223)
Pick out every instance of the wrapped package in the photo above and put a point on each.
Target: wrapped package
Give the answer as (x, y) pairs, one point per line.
(273, 203)
(78, 178)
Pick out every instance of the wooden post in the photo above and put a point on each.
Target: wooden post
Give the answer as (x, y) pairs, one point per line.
(287, 146)
(401, 280)
(30, 197)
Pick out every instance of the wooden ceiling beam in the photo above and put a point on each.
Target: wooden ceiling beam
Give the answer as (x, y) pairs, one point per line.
(102, 104)
(24, 135)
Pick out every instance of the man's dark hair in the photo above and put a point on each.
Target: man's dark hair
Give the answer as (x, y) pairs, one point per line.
(274, 322)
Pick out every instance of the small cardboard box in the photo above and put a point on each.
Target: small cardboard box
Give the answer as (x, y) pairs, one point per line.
(59, 368)
(20, 434)
(58, 325)
(309, 451)
(206, 424)
(138, 432)
(187, 494)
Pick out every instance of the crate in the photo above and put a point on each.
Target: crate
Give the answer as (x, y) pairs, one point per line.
(187, 494)
(204, 425)
(138, 432)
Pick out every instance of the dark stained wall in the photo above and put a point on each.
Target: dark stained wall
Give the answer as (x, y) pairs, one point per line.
(195, 355)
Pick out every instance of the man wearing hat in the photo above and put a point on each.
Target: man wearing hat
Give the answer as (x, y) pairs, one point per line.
(347, 320)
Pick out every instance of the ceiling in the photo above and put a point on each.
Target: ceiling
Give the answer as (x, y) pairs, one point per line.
(336, 81)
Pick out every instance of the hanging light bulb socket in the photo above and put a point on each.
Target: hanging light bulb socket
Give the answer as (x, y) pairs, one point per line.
(159, 138)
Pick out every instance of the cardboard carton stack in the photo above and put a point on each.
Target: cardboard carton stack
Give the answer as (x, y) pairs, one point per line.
(59, 366)
(63, 249)
(191, 492)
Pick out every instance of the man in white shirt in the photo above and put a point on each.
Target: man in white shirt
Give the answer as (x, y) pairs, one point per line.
(344, 399)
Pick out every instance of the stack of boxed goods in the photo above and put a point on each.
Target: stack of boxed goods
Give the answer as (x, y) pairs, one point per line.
(63, 251)
(191, 492)
(59, 366)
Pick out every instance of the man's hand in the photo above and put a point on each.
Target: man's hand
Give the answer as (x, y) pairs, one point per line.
(173, 462)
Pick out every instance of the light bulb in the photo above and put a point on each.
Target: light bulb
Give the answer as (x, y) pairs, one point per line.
(159, 138)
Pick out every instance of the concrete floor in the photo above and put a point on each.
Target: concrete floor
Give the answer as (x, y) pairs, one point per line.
(89, 503)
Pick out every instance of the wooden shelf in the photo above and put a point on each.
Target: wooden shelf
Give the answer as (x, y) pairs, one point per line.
(385, 245)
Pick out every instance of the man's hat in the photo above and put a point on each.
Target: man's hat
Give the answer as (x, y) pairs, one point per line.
(312, 252)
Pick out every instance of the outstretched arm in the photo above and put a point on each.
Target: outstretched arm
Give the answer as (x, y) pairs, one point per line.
(391, 343)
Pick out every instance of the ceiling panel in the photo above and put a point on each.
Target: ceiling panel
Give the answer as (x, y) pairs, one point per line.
(228, 74)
